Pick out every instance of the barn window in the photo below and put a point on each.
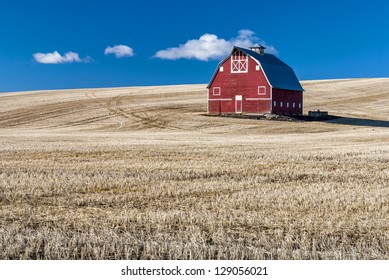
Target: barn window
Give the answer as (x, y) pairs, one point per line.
(239, 61)
(300, 105)
(221, 69)
(294, 105)
(287, 104)
(261, 90)
(281, 103)
(257, 67)
(275, 103)
(216, 91)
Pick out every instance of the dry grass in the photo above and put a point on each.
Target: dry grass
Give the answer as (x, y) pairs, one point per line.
(140, 173)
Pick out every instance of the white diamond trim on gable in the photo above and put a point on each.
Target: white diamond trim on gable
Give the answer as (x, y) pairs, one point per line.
(239, 62)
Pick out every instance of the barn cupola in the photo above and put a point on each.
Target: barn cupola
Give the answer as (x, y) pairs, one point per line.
(258, 49)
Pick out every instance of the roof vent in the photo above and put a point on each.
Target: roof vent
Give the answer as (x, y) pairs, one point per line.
(258, 49)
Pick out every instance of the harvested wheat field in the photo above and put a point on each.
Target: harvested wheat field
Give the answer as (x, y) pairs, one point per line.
(143, 173)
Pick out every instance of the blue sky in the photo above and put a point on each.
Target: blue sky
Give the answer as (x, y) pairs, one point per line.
(78, 44)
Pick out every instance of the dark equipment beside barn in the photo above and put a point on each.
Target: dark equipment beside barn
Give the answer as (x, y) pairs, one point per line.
(317, 114)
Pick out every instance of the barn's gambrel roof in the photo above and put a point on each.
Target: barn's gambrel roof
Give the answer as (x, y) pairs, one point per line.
(279, 74)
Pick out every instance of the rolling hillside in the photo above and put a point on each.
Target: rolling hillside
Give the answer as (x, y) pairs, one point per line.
(143, 173)
(173, 107)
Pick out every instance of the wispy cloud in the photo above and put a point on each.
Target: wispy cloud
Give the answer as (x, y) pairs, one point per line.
(209, 46)
(119, 51)
(56, 58)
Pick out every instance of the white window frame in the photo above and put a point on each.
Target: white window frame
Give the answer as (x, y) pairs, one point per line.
(294, 105)
(221, 68)
(287, 104)
(215, 94)
(299, 105)
(261, 87)
(281, 104)
(257, 68)
(275, 104)
(239, 65)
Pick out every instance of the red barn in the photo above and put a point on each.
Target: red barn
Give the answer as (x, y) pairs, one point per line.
(250, 81)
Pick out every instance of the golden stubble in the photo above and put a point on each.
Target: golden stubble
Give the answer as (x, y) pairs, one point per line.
(142, 173)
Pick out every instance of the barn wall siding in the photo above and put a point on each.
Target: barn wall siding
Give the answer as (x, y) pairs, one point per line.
(287, 96)
(256, 106)
(214, 107)
(227, 106)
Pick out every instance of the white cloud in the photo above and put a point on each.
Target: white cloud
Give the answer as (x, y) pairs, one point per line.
(209, 46)
(246, 38)
(56, 58)
(119, 51)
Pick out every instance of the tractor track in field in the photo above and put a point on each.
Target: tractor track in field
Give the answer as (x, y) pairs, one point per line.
(127, 116)
(132, 109)
(35, 114)
(124, 110)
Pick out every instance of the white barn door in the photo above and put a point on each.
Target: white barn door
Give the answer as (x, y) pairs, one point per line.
(238, 104)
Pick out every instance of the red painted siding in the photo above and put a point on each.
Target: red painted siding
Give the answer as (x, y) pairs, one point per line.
(287, 97)
(244, 84)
